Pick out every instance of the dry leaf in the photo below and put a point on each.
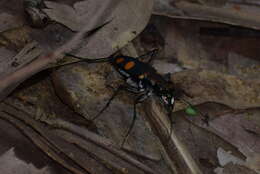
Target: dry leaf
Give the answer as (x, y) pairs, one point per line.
(226, 11)
(217, 87)
(84, 88)
(225, 157)
(211, 46)
(240, 128)
(243, 131)
(10, 164)
(127, 20)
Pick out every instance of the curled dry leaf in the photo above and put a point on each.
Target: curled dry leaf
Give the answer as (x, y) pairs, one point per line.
(126, 21)
(235, 12)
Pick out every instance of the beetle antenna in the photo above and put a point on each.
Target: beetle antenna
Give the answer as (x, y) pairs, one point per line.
(97, 60)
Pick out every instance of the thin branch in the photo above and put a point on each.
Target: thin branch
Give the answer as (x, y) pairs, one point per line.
(11, 81)
(100, 154)
(162, 126)
(40, 142)
(54, 142)
(88, 136)
(102, 142)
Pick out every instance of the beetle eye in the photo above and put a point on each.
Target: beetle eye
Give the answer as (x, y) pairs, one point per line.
(164, 99)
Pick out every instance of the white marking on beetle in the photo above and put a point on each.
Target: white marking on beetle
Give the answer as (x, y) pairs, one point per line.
(172, 100)
(123, 72)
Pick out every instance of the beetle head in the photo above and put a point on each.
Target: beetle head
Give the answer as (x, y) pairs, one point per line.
(168, 99)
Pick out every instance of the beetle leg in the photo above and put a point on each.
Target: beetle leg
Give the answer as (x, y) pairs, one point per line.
(138, 100)
(171, 124)
(131, 126)
(121, 87)
(154, 52)
(150, 53)
(88, 60)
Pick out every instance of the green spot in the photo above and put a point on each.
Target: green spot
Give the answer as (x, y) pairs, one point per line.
(190, 111)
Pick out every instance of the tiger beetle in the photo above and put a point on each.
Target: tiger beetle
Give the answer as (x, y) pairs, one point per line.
(142, 79)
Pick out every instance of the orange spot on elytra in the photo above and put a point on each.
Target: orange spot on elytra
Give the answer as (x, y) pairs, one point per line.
(129, 65)
(119, 60)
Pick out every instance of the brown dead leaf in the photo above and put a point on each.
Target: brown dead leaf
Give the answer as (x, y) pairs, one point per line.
(243, 131)
(230, 90)
(225, 11)
(63, 14)
(84, 88)
(126, 21)
(202, 144)
(240, 128)
(211, 46)
(87, 155)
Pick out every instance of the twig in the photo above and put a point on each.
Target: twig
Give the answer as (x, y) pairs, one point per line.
(26, 55)
(11, 81)
(98, 153)
(40, 142)
(84, 133)
(54, 142)
(102, 142)
(161, 123)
